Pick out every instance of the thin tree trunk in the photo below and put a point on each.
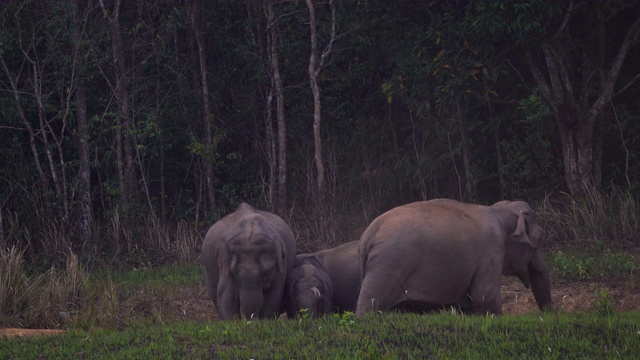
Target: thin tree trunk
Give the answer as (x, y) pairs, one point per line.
(84, 171)
(156, 117)
(496, 141)
(82, 139)
(256, 11)
(26, 123)
(314, 69)
(44, 133)
(279, 92)
(126, 169)
(208, 115)
(271, 148)
(470, 180)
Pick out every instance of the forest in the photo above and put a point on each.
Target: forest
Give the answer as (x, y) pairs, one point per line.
(127, 128)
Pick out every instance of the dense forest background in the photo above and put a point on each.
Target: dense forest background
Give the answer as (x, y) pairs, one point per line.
(128, 127)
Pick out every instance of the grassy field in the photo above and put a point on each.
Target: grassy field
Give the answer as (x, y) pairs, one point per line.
(155, 311)
(378, 336)
(163, 312)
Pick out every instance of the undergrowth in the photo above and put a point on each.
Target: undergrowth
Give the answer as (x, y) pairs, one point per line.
(588, 264)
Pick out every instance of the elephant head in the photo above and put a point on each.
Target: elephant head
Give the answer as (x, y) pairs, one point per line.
(523, 255)
(247, 255)
(309, 288)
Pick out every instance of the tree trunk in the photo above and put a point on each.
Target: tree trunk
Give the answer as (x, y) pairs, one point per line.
(208, 160)
(84, 171)
(26, 123)
(578, 115)
(268, 146)
(470, 193)
(126, 171)
(156, 117)
(314, 69)
(279, 92)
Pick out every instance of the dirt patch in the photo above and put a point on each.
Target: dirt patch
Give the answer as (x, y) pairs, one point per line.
(568, 296)
(192, 304)
(195, 305)
(11, 333)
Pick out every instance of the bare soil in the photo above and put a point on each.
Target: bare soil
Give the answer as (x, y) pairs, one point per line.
(193, 305)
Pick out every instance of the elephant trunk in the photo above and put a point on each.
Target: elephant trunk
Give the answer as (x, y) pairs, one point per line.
(540, 281)
(540, 284)
(311, 307)
(251, 301)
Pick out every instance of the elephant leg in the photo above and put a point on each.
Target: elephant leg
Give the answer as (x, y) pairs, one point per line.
(228, 304)
(485, 294)
(378, 293)
(211, 288)
(273, 303)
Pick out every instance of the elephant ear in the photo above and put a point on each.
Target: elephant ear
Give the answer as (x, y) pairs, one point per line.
(520, 234)
(224, 259)
(280, 253)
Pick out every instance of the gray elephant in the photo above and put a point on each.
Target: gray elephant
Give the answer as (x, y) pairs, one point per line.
(247, 255)
(343, 269)
(444, 252)
(309, 288)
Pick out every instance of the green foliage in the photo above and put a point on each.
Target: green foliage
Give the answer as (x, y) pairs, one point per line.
(604, 301)
(346, 319)
(588, 265)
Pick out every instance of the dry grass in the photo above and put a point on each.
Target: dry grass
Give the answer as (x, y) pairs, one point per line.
(613, 218)
(46, 300)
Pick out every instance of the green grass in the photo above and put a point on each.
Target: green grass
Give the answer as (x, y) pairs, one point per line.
(386, 336)
(592, 263)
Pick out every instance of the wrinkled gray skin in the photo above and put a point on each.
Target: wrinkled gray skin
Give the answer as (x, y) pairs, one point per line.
(246, 256)
(444, 252)
(309, 289)
(343, 268)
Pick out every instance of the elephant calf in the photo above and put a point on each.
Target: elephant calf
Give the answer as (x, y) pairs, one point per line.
(444, 252)
(247, 255)
(309, 288)
(340, 267)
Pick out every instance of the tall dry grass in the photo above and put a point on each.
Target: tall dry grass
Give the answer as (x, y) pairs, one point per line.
(613, 218)
(43, 300)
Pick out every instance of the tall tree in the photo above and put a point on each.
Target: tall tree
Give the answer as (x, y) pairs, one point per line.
(316, 63)
(209, 151)
(82, 130)
(577, 77)
(272, 24)
(124, 143)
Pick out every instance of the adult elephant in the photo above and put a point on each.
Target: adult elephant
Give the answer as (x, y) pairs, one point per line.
(444, 252)
(342, 266)
(246, 257)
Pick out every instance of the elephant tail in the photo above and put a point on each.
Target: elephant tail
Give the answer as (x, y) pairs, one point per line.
(364, 246)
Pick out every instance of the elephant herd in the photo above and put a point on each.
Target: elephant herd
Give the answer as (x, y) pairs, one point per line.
(420, 256)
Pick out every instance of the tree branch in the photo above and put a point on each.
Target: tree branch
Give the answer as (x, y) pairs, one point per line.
(628, 85)
(327, 50)
(630, 39)
(565, 21)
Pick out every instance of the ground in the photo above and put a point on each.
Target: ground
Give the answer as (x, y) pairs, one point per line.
(192, 304)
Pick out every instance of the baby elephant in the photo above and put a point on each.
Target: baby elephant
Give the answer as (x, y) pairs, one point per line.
(309, 289)
(342, 268)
